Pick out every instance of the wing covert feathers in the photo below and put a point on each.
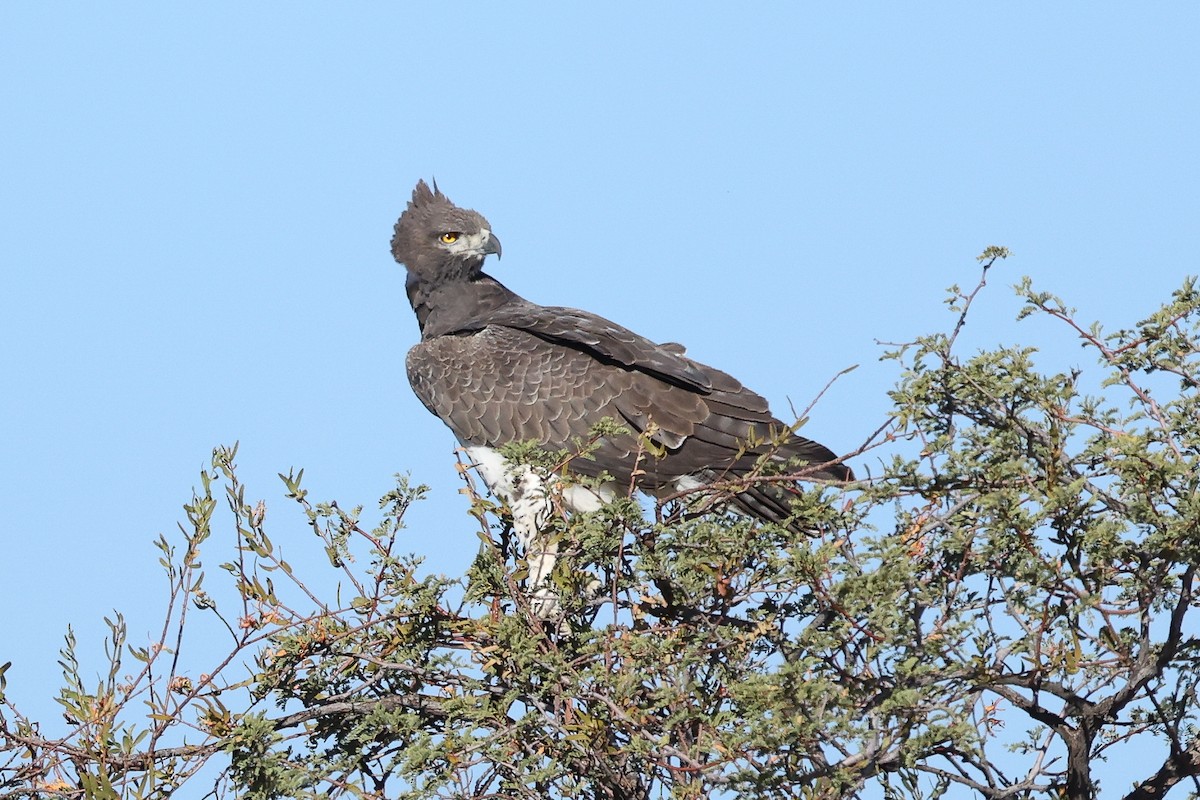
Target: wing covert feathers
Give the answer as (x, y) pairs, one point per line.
(503, 385)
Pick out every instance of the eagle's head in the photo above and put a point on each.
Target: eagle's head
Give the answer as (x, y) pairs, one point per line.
(436, 239)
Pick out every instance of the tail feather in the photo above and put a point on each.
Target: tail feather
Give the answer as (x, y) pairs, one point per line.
(772, 502)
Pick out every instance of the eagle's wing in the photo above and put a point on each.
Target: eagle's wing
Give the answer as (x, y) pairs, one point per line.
(503, 385)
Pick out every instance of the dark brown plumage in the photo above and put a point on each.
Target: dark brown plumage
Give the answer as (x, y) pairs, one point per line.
(499, 369)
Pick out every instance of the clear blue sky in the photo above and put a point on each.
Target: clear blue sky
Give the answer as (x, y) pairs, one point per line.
(196, 203)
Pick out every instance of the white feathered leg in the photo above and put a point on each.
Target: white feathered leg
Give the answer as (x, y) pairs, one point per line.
(531, 507)
(530, 499)
(531, 504)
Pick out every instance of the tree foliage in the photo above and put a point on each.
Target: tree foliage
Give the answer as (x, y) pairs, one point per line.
(1010, 600)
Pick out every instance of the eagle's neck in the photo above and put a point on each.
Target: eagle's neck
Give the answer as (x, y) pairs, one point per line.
(456, 306)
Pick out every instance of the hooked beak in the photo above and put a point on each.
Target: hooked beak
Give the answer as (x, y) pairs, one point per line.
(492, 245)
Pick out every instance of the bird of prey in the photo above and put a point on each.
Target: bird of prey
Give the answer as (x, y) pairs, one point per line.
(498, 369)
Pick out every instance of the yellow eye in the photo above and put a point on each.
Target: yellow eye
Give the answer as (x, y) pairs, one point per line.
(449, 238)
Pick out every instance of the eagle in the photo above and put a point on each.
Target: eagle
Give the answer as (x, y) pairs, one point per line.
(499, 369)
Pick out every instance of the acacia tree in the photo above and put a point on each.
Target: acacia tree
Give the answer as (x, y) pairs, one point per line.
(1009, 600)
